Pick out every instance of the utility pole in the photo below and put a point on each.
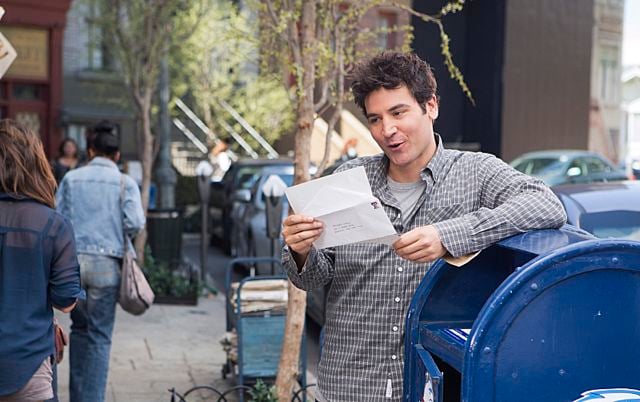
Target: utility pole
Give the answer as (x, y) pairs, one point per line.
(165, 175)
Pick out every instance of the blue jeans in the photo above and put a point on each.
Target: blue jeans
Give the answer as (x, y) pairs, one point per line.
(91, 328)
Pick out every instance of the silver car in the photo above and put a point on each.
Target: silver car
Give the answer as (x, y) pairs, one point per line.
(249, 221)
(568, 166)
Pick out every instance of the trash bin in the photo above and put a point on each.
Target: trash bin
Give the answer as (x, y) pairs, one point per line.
(549, 315)
(164, 229)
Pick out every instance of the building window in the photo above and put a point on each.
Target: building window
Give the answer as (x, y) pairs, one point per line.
(27, 92)
(387, 22)
(97, 49)
(77, 132)
(609, 74)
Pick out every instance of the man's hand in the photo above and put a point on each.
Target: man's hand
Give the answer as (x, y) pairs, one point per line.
(299, 233)
(420, 245)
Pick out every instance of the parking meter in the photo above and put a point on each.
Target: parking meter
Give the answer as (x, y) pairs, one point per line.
(204, 170)
(273, 190)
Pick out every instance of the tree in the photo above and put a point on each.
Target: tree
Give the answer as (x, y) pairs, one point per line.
(219, 62)
(137, 32)
(315, 43)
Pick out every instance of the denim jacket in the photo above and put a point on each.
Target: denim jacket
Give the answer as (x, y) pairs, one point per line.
(90, 198)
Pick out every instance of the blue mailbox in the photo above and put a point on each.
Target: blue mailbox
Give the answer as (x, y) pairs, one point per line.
(545, 316)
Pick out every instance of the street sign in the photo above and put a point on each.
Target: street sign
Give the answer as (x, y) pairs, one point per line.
(7, 52)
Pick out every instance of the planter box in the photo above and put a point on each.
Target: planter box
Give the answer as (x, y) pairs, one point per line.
(188, 300)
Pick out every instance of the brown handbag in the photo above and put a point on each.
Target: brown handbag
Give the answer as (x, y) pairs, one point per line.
(61, 340)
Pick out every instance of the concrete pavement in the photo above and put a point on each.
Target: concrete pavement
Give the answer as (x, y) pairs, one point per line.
(169, 346)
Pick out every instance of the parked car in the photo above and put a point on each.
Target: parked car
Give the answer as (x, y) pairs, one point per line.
(241, 175)
(568, 166)
(248, 217)
(603, 209)
(635, 169)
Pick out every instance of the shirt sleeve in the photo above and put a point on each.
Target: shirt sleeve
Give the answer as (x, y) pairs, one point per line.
(134, 219)
(510, 203)
(64, 282)
(317, 271)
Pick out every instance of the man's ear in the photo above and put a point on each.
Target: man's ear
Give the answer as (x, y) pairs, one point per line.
(116, 156)
(90, 153)
(432, 108)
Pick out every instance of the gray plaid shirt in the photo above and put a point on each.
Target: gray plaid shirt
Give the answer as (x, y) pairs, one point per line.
(473, 200)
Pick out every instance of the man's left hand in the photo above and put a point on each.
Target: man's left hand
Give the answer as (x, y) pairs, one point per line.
(420, 245)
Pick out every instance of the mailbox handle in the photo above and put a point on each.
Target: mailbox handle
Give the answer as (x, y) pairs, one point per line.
(433, 372)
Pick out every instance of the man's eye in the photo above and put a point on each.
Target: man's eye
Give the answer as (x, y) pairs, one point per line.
(399, 112)
(373, 120)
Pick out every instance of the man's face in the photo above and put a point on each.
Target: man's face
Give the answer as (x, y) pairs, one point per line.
(402, 129)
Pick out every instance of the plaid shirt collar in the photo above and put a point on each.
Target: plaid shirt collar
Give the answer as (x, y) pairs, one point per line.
(434, 171)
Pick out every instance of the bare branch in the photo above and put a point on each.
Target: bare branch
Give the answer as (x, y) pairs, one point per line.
(339, 105)
(324, 97)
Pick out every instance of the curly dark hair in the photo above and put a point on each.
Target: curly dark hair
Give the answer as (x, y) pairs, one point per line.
(391, 70)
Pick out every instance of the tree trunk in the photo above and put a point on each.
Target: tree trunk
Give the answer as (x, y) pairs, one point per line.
(288, 369)
(146, 158)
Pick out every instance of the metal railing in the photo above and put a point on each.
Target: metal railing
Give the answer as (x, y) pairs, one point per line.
(300, 395)
(263, 143)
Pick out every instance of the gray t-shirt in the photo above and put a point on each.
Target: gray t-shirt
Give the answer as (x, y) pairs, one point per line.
(407, 195)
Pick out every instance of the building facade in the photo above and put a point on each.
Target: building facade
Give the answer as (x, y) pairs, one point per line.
(631, 112)
(31, 90)
(93, 90)
(528, 66)
(606, 116)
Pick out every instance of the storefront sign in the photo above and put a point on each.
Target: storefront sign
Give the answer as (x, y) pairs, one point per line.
(32, 47)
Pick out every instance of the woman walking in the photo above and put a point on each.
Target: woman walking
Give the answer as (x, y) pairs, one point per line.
(38, 266)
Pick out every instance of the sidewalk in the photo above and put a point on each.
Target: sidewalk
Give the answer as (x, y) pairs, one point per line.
(167, 347)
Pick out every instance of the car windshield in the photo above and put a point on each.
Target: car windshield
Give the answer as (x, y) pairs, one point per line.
(616, 224)
(537, 165)
(246, 176)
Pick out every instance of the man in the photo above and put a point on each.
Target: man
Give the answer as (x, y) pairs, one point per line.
(220, 160)
(441, 202)
(90, 197)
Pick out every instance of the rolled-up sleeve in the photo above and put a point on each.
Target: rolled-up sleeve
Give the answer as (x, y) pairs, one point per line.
(64, 282)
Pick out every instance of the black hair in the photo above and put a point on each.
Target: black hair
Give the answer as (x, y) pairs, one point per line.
(103, 139)
(391, 70)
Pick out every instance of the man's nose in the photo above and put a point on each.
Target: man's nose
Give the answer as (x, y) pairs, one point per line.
(388, 128)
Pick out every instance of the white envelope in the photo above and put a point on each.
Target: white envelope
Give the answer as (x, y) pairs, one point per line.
(345, 204)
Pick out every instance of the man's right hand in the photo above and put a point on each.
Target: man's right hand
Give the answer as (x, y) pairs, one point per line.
(299, 233)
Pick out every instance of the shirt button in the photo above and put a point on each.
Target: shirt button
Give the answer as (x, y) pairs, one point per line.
(394, 357)
(399, 269)
(395, 328)
(397, 300)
